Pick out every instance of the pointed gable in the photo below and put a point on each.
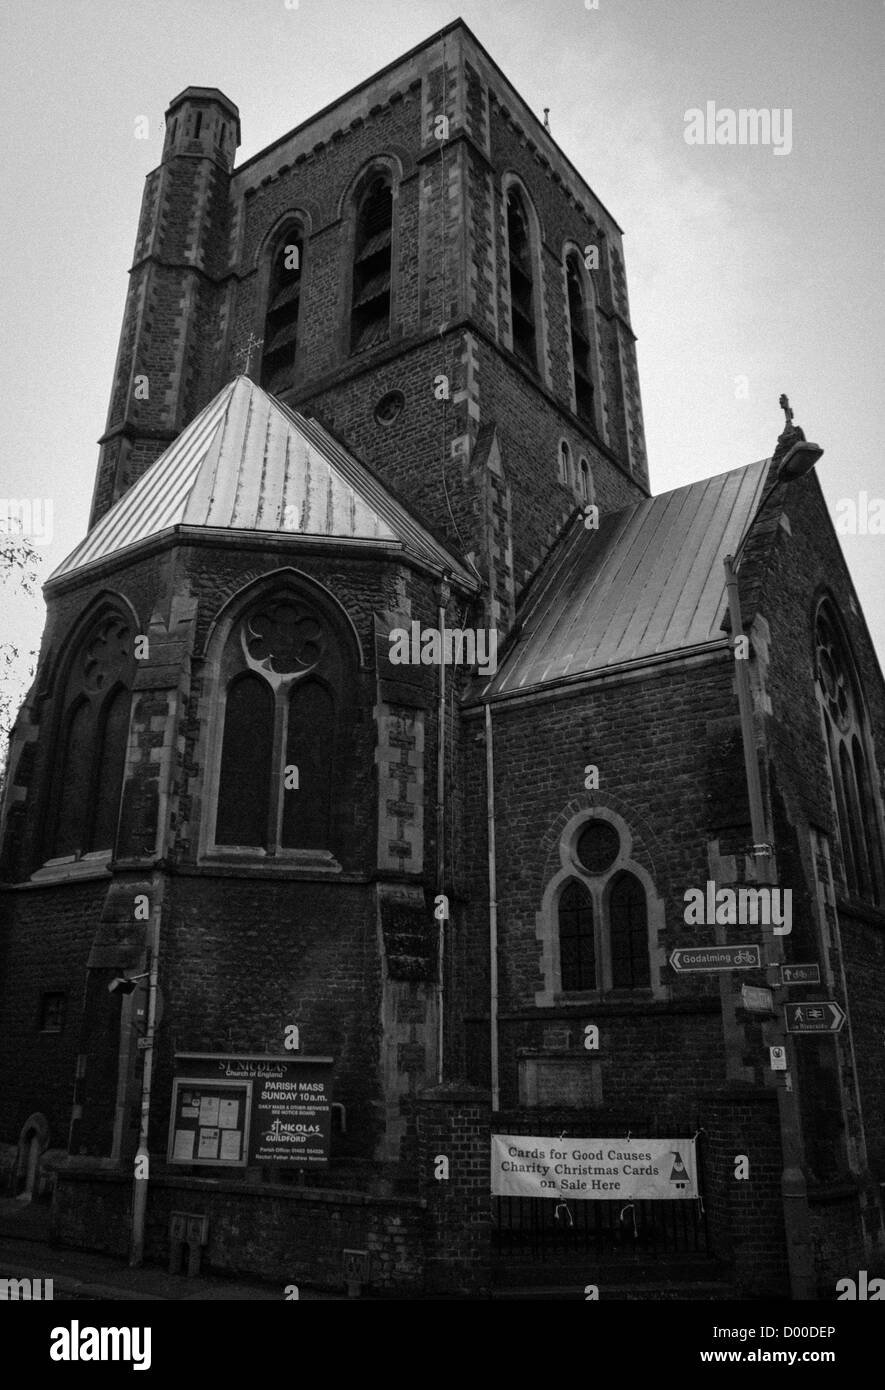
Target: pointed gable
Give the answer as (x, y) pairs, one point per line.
(248, 463)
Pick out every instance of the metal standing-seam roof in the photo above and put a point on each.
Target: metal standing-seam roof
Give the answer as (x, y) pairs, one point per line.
(248, 463)
(650, 582)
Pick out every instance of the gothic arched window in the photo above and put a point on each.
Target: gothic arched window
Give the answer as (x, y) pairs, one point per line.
(372, 264)
(522, 278)
(246, 751)
(565, 464)
(601, 913)
(844, 730)
(281, 320)
(93, 736)
(585, 484)
(628, 933)
(283, 677)
(577, 941)
(581, 328)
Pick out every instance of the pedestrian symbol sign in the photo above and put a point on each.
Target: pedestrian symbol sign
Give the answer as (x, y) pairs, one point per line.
(814, 1016)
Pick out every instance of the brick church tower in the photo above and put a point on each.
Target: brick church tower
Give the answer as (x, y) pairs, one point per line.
(380, 380)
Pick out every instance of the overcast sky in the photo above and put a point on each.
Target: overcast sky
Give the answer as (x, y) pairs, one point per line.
(750, 273)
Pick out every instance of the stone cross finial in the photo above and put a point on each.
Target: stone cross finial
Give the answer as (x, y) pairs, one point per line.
(791, 433)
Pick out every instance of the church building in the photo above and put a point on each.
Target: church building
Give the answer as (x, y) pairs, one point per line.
(401, 783)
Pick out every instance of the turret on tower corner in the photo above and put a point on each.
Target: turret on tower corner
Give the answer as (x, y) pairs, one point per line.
(201, 121)
(177, 304)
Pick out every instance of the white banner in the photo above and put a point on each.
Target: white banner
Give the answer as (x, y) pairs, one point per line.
(593, 1169)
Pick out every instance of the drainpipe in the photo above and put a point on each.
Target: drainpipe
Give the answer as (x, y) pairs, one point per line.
(493, 911)
(794, 1192)
(142, 1158)
(443, 594)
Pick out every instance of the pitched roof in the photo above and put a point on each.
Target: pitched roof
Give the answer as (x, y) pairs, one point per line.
(248, 463)
(649, 583)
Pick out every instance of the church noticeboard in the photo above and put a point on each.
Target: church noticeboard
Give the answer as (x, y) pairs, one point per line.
(230, 1111)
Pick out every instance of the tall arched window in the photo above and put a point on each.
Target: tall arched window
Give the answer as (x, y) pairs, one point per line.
(601, 913)
(844, 731)
(581, 329)
(93, 735)
(372, 265)
(245, 787)
(577, 942)
(584, 481)
(283, 674)
(522, 278)
(565, 464)
(628, 934)
(283, 306)
(310, 748)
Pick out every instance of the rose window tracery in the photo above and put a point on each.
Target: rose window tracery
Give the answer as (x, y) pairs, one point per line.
(283, 637)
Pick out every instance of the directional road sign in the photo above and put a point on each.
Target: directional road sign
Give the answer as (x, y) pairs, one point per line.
(814, 1016)
(800, 974)
(710, 958)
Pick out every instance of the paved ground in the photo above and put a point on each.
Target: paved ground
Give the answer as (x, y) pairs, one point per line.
(25, 1253)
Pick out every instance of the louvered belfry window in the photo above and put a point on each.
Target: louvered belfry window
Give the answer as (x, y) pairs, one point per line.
(281, 727)
(92, 741)
(283, 307)
(522, 291)
(580, 338)
(372, 266)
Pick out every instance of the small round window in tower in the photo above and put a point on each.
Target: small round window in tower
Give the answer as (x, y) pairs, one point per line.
(389, 407)
(599, 845)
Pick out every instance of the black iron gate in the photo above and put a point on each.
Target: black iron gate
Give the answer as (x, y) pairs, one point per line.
(538, 1228)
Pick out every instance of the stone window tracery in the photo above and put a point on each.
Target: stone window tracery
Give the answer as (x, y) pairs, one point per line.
(844, 723)
(281, 674)
(600, 916)
(93, 732)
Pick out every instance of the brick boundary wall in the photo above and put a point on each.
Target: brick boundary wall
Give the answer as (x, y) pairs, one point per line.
(294, 1235)
(454, 1121)
(746, 1215)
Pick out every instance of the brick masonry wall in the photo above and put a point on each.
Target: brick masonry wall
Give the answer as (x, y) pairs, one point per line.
(279, 1234)
(240, 959)
(44, 945)
(453, 1123)
(746, 1214)
(657, 744)
(800, 563)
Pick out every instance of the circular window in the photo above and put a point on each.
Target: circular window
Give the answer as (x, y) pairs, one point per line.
(599, 845)
(389, 407)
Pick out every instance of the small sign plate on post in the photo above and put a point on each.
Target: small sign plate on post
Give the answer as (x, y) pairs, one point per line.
(814, 1016)
(778, 1057)
(711, 958)
(800, 974)
(757, 1000)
